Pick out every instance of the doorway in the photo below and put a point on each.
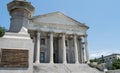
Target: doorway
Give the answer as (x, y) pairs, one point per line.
(56, 50)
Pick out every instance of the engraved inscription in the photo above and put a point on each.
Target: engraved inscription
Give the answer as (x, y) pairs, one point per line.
(14, 58)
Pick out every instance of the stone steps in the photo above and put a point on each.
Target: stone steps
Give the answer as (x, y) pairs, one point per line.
(64, 68)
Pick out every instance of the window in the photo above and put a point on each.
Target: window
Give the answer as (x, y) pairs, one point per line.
(42, 57)
(42, 41)
(66, 42)
(67, 57)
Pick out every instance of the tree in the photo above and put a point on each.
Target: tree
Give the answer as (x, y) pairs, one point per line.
(116, 64)
(94, 60)
(2, 31)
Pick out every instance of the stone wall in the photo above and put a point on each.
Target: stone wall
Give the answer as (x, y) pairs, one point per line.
(113, 71)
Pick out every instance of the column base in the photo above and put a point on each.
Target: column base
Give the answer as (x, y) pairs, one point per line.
(64, 62)
(88, 62)
(77, 62)
(37, 62)
(51, 62)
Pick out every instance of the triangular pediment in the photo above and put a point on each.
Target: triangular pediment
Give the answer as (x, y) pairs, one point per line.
(57, 18)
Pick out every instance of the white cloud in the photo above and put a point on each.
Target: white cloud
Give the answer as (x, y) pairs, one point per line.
(98, 54)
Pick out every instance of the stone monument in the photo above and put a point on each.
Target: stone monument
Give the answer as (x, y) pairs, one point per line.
(16, 45)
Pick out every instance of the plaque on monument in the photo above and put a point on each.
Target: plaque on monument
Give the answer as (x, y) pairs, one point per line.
(14, 58)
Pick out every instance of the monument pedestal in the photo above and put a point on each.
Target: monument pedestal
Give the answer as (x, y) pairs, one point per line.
(17, 41)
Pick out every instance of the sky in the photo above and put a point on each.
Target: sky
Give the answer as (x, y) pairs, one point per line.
(102, 16)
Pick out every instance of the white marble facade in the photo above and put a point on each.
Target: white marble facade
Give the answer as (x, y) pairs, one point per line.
(58, 39)
(56, 42)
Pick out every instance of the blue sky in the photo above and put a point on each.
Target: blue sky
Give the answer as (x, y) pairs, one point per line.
(102, 16)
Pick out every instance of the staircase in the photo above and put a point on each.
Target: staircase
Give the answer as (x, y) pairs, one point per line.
(64, 68)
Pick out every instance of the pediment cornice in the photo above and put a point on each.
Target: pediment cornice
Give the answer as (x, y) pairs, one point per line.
(57, 18)
(57, 26)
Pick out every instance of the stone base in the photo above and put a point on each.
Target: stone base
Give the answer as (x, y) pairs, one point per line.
(17, 41)
(64, 68)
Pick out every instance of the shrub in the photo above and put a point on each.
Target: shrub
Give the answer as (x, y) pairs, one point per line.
(116, 64)
(2, 31)
(94, 60)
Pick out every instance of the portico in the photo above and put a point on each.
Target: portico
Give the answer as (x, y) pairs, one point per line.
(59, 39)
(64, 51)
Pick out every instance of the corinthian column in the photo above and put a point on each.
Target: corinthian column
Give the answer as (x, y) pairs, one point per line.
(51, 47)
(76, 50)
(86, 48)
(38, 48)
(64, 48)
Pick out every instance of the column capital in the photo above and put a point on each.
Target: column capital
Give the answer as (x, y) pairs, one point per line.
(63, 33)
(75, 34)
(38, 32)
(80, 39)
(51, 32)
(85, 35)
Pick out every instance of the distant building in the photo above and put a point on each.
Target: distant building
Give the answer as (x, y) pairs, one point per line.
(109, 59)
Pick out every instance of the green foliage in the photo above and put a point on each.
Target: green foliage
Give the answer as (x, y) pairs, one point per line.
(116, 64)
(2, 31)
(94, 60)
(91, 60)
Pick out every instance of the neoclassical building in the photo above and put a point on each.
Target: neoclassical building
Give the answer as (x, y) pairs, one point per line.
(57, 38)
(49, 43)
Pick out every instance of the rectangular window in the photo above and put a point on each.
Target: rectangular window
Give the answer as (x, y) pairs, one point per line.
(66, 42)
(42, 57)
(42, 42)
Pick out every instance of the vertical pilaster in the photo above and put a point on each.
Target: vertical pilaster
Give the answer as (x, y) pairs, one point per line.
(38, 48)
(76, 49)
(86, 48)
(51, 47)
(64, 48)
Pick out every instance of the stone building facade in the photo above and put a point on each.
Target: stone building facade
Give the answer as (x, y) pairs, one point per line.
(61, 39)
(109, 59)
(55, 43)
(57, 37)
